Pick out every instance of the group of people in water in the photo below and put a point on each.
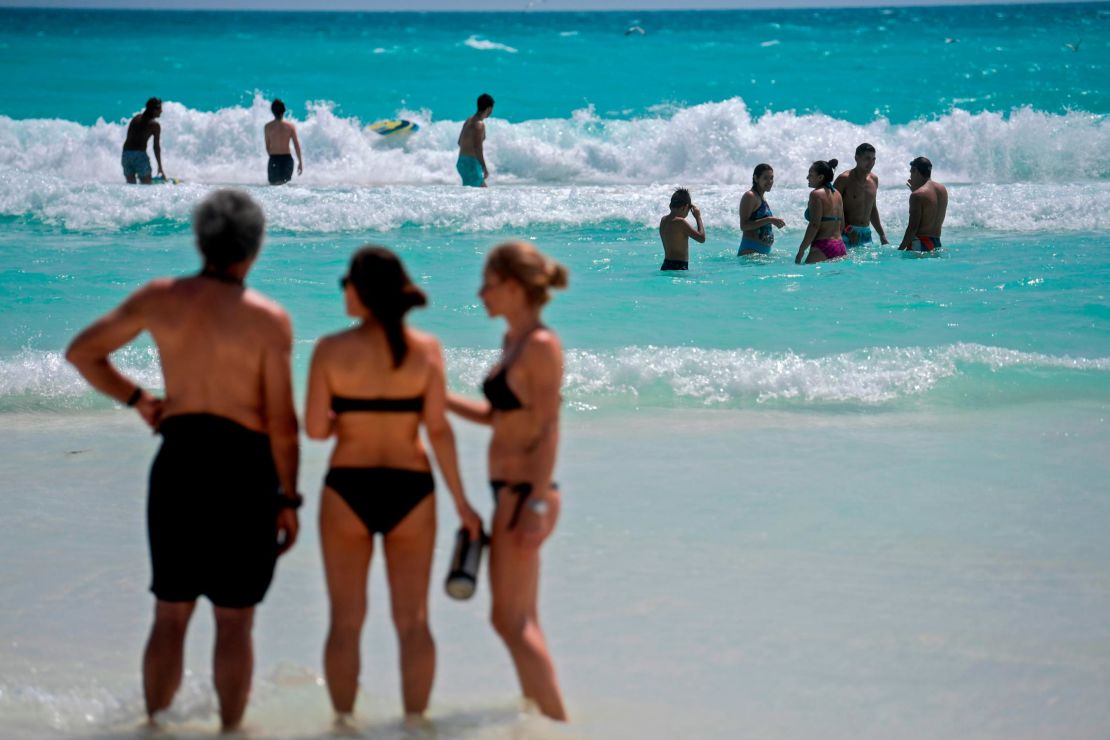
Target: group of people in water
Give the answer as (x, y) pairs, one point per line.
(842, 213)
(223, 488)
(282, 140)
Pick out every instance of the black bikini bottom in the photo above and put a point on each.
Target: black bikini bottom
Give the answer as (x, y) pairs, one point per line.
(381, 497)
(522, 492)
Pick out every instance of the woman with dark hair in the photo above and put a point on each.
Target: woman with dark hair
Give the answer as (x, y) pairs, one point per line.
(372, 386)
(825, 214)
(755, 215)
(522, 405)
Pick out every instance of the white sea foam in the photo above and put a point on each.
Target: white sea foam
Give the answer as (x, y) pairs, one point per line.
(710, 143)
(648, 376)
(486, 45)
(62, 172)
(1065, 208)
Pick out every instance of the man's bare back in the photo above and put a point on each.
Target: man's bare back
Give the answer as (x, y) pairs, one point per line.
(212, 338)
(675, 232)
(278, 135)
(932, 200)
(139, 132)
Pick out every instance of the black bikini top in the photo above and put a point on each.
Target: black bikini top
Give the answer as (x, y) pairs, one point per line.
(497, 391)
(496, 387)
(341, 404)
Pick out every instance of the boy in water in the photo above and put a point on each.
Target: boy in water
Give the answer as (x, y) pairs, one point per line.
(471, 164)
(859, 189)
(928, 206)
(675, 231)
(278, 134)
(136, 163)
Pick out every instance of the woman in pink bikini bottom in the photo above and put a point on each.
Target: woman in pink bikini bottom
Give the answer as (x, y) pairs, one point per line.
(825, 215)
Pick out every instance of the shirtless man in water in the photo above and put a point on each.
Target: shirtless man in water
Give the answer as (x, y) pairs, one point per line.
(675, 231)
(859, 189)
(222, 499)
(471, 164)
(928, 206)
(136, 163)
(278, 135)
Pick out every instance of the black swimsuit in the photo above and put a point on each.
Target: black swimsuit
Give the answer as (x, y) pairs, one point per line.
(212, 512)
(380, 496)
(501, 397)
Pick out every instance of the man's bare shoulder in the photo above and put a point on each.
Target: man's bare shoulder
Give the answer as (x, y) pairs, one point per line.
(156, 290)
(842, 180)
(269, 313)
(289, 126)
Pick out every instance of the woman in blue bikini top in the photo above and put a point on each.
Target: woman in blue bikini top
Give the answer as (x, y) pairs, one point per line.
(756, 219)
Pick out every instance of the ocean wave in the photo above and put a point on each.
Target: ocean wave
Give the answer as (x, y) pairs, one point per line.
(714, 143)
(116, 207)
(486, 45)
(648, 376)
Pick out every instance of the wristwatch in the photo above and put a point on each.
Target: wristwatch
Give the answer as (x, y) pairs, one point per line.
(285, 501)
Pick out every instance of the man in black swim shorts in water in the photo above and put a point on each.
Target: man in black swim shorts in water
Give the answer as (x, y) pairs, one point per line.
(222, 502)
(279, 133)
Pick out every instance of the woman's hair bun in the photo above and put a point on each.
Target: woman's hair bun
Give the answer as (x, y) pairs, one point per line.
(833, 163)
(557, 275)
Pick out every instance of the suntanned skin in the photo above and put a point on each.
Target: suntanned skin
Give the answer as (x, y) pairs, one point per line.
(749, 203)
(676, 232)
(139, 132)
(224, 350)
(472, 139)
(522, 449)
(822, 202)
(357, 363)
(928, 207)
(279, 133)
(859, 189)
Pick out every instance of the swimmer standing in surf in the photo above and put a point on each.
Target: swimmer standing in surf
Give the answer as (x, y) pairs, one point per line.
(279, 133)
(860, 189)
(928, 206)
(471, 164)
(675, 231)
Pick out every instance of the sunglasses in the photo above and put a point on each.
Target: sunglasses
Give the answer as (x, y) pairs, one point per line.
(344, 281)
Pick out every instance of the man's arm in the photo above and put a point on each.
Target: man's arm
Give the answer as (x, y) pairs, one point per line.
(297, 147)
(875, 216)
(697, 234)
(157, 129)
(916, 209)
(90, 350)
(480, 145)
(281, 424)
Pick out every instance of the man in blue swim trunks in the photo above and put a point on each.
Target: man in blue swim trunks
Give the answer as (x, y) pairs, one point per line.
(928, 206)
(472, 158)
(136, 163)
(859, 189)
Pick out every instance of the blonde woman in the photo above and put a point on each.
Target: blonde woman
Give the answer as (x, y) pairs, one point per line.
(522, 406)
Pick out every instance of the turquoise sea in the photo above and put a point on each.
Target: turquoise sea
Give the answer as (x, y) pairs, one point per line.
(862, 499)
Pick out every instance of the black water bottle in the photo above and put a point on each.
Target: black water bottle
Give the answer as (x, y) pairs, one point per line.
(462, 580)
